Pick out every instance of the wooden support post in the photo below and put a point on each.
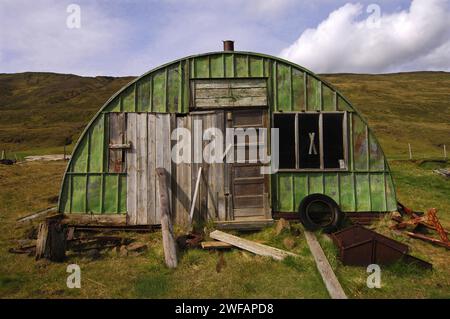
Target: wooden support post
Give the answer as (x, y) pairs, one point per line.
(445, 152)
(51, 241)
(169, 244)
(410, 151)
(3, 155)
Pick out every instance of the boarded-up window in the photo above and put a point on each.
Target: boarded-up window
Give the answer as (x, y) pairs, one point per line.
(117, 143)
(229, 93)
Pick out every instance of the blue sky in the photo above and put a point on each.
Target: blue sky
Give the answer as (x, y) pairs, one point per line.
(129, 37)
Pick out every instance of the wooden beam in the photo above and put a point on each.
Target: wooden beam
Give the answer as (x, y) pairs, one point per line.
(94, 220)
(329, 278)
(169, 244)
(251, 246)
(120, 146)
(37, 214)
(215, 245)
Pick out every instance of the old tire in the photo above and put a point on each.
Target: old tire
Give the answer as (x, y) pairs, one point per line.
(320, 212)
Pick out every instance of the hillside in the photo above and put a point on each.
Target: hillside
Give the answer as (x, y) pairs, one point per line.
(38, 111)
(41, 110)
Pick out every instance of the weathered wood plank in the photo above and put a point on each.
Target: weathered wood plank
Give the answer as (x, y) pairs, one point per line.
(116, 137)
(215, 245)
(232, 102)
(169, 244)
(119, 146)
(210, 93)
(132, 169)
(38, 214)
(151, 185)
(329, 278)
(183, 187)
(141, 167)
(230, 83)
(251, 246)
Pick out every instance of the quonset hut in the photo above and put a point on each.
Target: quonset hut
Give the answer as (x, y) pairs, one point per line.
(329, 160)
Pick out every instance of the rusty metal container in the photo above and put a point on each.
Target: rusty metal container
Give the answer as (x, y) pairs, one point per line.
(360, 246)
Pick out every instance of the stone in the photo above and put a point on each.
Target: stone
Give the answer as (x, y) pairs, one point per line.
(282, 225)
(137, 247)
(289, 243)
(123, 252)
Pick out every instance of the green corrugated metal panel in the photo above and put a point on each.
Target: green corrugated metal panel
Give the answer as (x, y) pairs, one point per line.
(298, 90)
(144, 90)
(353, 192)
(347, 192)
(284, 87)
(97, 142)
(363, 196)
(313, 93)
(328, 98)
(290, 87)
(94, 194)
(360, 144)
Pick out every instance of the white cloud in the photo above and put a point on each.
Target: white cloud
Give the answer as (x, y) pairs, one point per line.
(347, 41)
(35, 37)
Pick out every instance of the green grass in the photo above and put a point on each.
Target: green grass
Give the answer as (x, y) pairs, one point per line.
(31, 186)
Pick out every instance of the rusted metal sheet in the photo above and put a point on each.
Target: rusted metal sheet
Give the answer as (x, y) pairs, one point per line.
(360, 246)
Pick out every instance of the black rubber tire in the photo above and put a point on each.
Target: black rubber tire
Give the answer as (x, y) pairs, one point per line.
(336, 217)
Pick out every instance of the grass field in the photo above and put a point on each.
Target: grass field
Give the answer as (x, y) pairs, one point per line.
(402, 108)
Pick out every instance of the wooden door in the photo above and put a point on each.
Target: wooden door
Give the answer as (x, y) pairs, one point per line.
(248, 186)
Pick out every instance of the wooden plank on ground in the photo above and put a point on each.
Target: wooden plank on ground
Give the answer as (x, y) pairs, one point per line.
(329, 278)
(215, 245)
(38, 214)
(251, 246)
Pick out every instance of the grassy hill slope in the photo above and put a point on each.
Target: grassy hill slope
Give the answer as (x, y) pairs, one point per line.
(402, 108)
(38, 111)
(41, 110)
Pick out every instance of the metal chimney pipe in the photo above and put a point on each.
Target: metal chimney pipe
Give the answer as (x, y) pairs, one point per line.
(228, 45)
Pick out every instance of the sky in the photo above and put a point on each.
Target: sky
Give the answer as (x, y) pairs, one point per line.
(130, 37)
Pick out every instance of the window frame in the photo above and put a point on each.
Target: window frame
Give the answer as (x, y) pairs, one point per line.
(345, 135)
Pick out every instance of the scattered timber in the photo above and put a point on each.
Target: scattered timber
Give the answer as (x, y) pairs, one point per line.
(169, 243)
(37, 214)
(215, 245)
(256, 248)
(51, 241)
(329, 278)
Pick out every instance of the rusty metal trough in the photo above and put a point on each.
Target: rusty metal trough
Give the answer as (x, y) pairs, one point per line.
(360, 246)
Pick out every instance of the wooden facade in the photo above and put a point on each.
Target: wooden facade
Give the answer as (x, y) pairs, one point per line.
(112, 170)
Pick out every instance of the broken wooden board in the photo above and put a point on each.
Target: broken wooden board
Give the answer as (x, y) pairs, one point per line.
(38, 214)
(256, 248)
(215, 245)
(329, 278)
